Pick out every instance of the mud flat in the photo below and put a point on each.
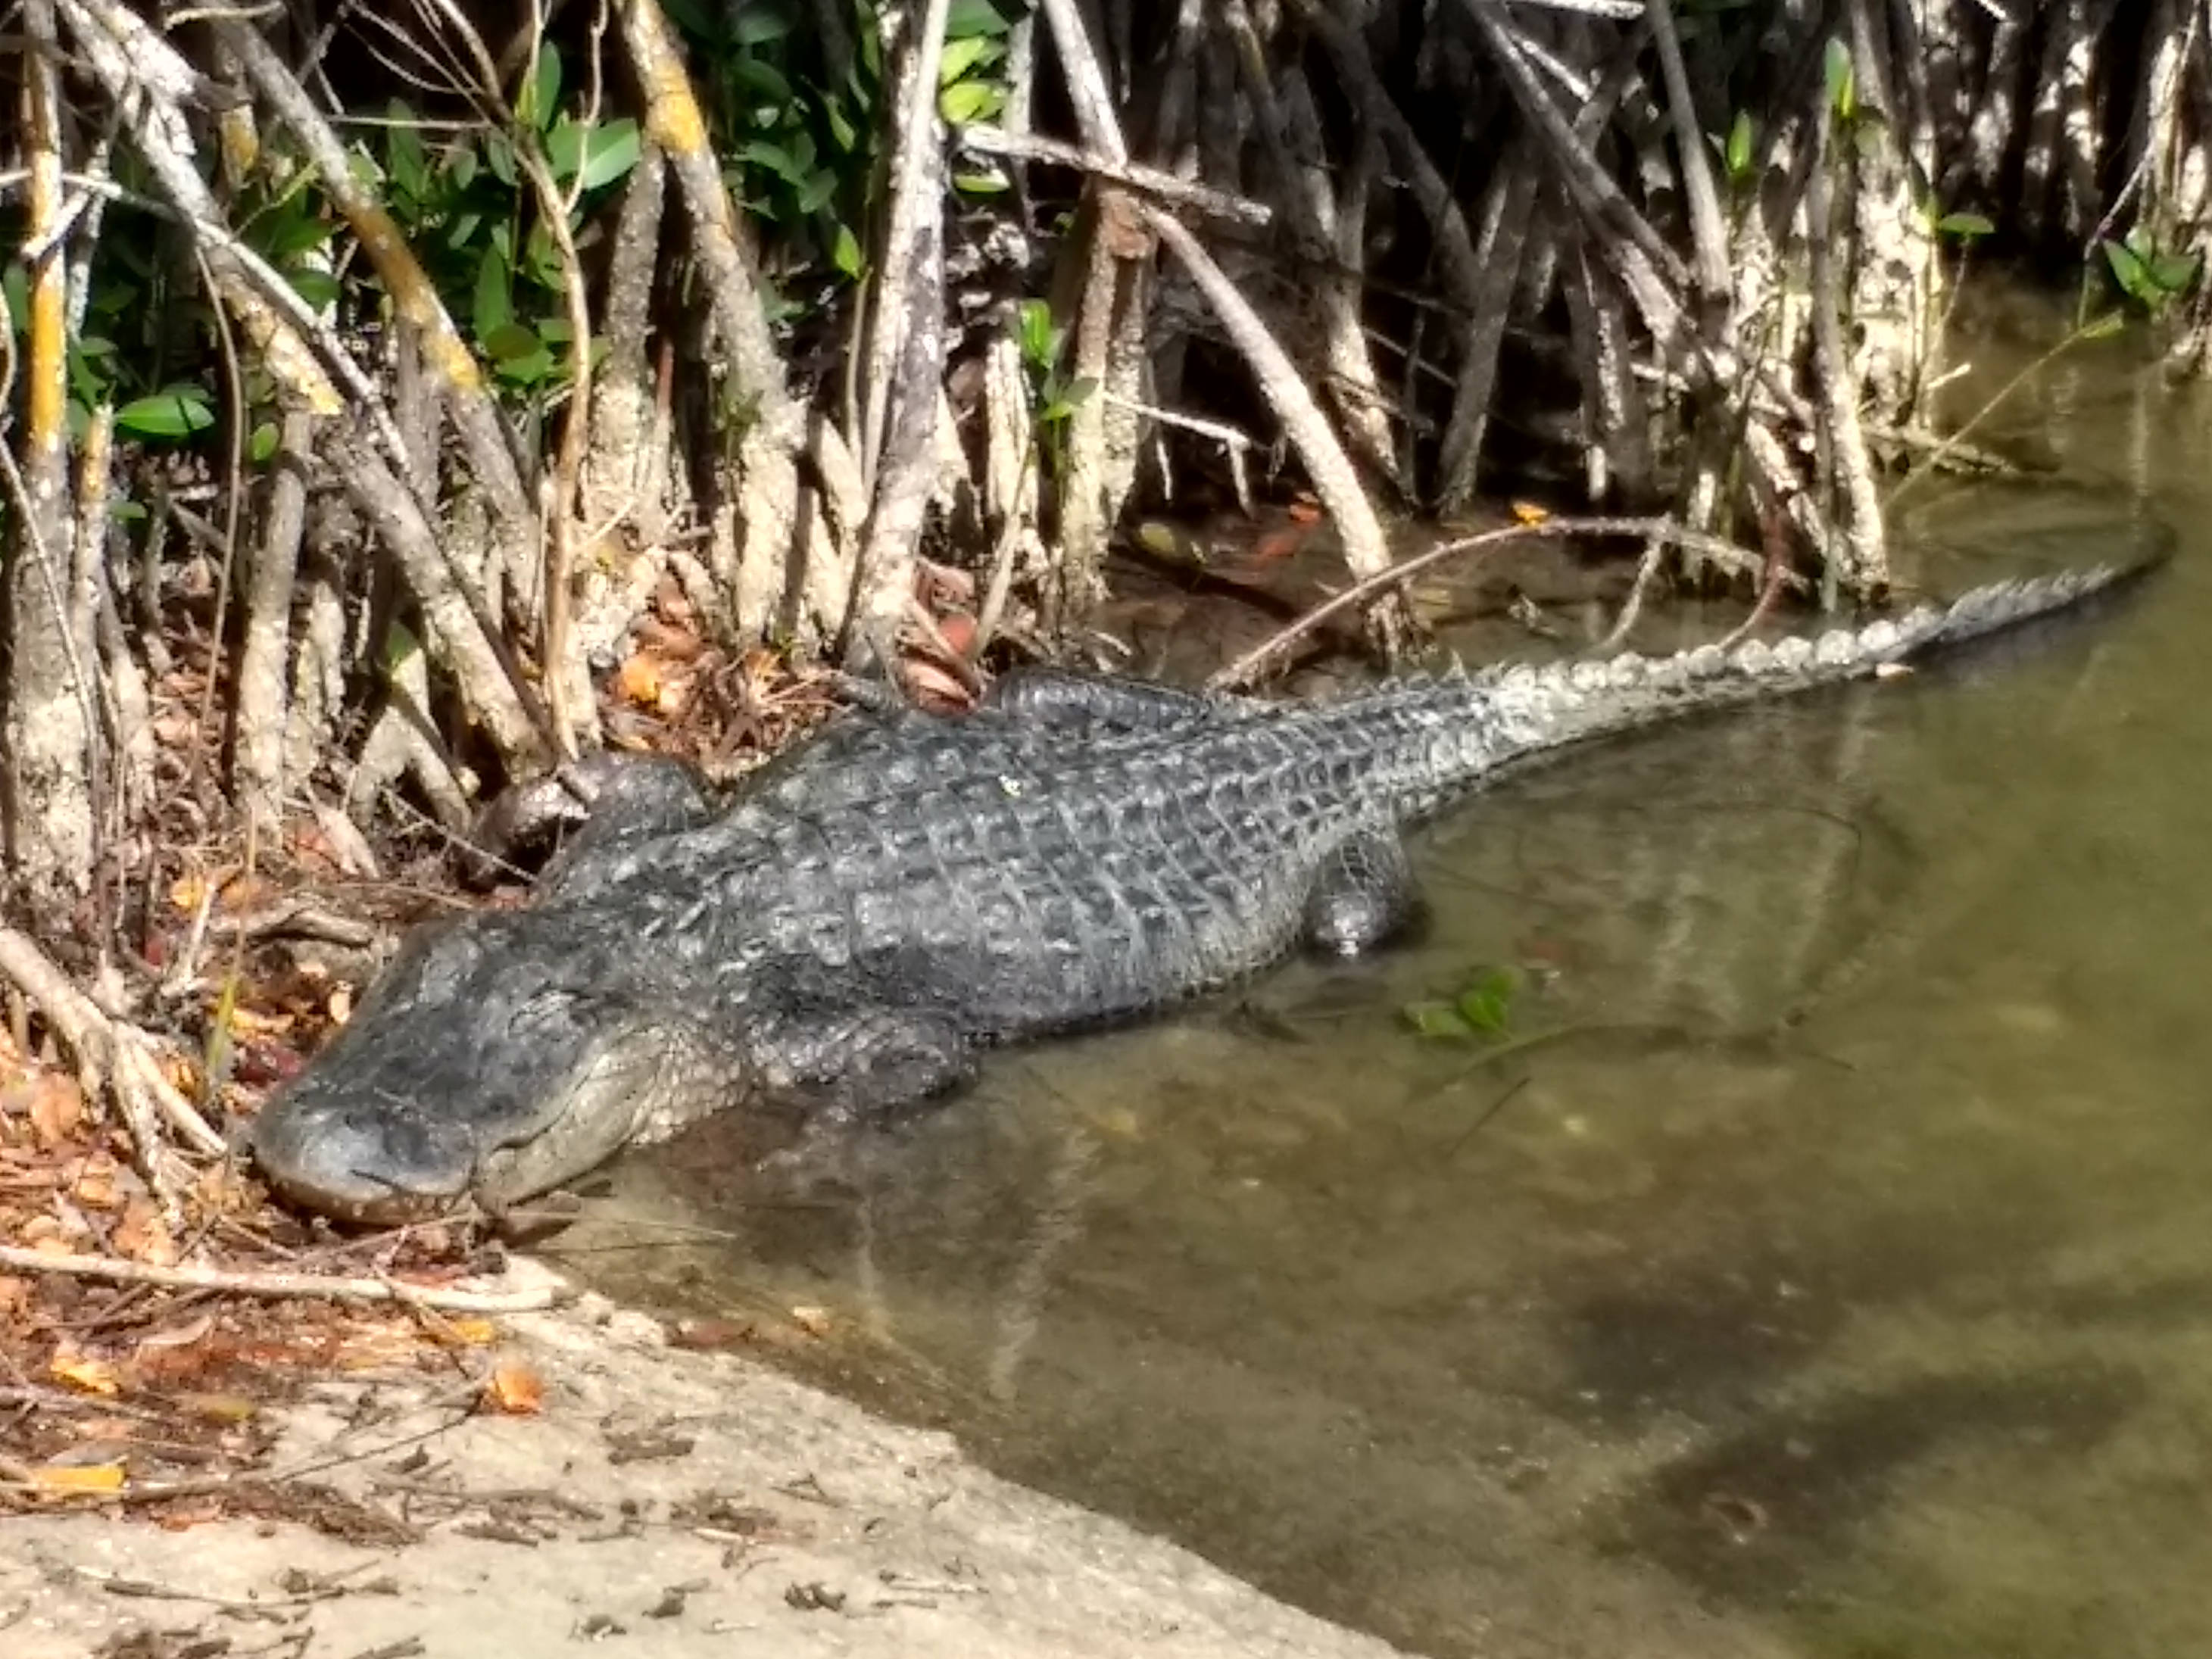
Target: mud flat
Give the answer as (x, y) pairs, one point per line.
(660, 1501)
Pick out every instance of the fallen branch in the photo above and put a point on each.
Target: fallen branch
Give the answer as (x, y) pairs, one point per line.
(1146, 180)
(1722, 552)
(243, 1282)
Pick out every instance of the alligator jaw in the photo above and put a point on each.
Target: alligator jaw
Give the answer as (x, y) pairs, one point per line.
(363, 1161)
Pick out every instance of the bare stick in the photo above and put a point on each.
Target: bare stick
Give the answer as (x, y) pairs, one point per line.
(1722, 552)
(318, 1287)
(1366, 551)
(1146, 180)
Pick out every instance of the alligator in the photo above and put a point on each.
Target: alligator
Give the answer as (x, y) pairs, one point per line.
(903, 890)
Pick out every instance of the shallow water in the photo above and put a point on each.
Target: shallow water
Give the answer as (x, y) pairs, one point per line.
(1822, 1266)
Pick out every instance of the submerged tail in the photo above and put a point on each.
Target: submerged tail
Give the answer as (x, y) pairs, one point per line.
(1571, 701)
(1466, 725)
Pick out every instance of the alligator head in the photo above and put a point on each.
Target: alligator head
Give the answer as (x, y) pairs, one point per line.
(490, 1063)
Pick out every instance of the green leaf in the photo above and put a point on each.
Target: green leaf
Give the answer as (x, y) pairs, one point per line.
(173, 412)
(1040, 340)
(610, 152)
(843, 132)
(961, 56)
(2128, 269)
(1842, 79)
(404, 163)
(1435, 1020)
(970, 101)
(774, 157)
(815, 195)
(494, 306)
(262, 444)
(980, 183)
(15, 290)
(757, 25)
(499, 156)
(317, 288)
(1738, 155)
(1487, 1004)
(461, 167)
(966, 18)
(564, 148)
(1965, 225)
(541, 93)
(2173, 273)
(2102, 328)
(762, 78)
(845, 253)
(510, 342)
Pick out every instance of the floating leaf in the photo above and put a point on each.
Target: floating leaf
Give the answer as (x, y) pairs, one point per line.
(1435, 1019)
(1966, 225)
(1487, 1004)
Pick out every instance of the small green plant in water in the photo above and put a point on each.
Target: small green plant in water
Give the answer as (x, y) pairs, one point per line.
(1058, 394)
(1482, 1010)
(2150, 277)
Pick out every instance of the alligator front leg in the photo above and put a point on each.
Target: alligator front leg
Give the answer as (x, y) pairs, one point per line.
(860, 1063)
(1362, 895)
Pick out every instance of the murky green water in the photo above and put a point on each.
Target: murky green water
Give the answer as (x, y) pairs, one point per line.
(1825, 1269)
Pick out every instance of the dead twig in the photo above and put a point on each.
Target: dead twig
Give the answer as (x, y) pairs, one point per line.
(247, 1282)
(1722, 552)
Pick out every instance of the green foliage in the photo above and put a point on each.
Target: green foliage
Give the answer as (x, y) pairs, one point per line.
(1842, 81)
(1482, 1009)
(2152, 279)
(1058, 395)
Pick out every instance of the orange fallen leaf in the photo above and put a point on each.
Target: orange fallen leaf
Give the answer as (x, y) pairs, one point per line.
(246, 1022)
(82, 1372)
(1279, 544)
(78, 1477)
(470, 1332)
(188, 891)
(56, 1110)
(1529, 512)
(958, 630)
(514, 1389)
(640, 678)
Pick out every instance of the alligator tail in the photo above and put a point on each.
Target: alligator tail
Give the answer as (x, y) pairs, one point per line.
(1494, 718)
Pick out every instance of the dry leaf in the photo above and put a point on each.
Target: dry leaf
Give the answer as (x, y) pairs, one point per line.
(218, 1407)
(248, 1023)
(57, 1108)
(142, 1236)
(815, 1321)
(1529, 512)
(471, 1331)
(340, 1006)
(78, 1477)
(81, 1370)
(514, 1389)
(188, 891)
(640, 678)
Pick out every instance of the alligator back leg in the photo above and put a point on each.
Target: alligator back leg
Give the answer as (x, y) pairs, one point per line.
(1362, 895)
